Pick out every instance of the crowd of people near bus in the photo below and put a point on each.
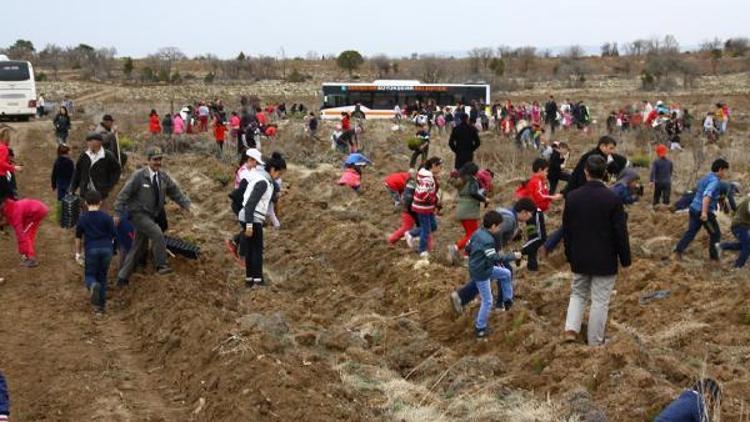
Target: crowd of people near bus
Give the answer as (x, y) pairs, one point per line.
(594, 225)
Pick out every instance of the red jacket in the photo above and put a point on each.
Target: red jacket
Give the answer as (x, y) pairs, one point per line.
(24, 216)
(536, 189)
(346, 123)
(219, 132)
(154, 125)
(5, 164)
(425, 196)
(397, 181)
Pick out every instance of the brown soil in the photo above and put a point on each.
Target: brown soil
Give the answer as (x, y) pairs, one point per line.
(350, 328)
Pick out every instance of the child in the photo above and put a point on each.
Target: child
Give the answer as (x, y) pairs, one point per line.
(560, 152)
(97, 229)
(426, 201)
(312, 125)
(4, 400)
(626, 187)
(661, 176)
(352, 175)
(420, 146)
(511, 218)
(167, 125)
(338, 144)
(220, 131)
(62, 172)
(24, 216)
(536, 187)
(470, 198)
(154, 123)
(741, 230)
(234, 125)
(395, 183)
(7, 167)
(408, 217)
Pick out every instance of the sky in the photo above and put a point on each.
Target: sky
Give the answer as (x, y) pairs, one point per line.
(395, 27)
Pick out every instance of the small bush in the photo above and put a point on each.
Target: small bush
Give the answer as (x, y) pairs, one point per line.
(296, 77)
(640, 160)
(209, 78)
(41, 77)
(126, 143)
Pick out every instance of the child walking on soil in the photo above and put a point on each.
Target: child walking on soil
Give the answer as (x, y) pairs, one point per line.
(426, 201)
(24, 216)
(470, 198)
(408, 217)
(62, 172)
(220, 131)
(661, 176)
(97, 229)
(395, 183)
(420, 146)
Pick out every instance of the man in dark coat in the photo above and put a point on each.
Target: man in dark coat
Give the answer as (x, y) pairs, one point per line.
(604, 149)
(550, 113)
(96, 168)
(596, 235)
(464, 141)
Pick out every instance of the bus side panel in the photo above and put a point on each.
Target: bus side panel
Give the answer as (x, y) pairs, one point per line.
(18, 98)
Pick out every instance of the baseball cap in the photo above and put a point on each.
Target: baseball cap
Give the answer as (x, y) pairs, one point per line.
(255, 155)
(154, 152)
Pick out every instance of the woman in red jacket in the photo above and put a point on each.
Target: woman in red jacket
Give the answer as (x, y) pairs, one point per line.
(154, 123)
(24, 216)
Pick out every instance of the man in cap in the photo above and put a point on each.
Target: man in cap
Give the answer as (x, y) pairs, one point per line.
(96, 169)
(108, 130)
(143, 197)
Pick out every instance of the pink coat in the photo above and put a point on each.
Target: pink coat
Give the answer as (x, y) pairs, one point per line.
(25, 216)
(350, 178)
(179, 125)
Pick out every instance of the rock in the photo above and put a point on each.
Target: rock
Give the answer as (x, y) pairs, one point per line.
(581, 404)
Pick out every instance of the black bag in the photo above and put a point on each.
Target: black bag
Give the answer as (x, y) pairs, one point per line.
(182, 248)
(71, 210)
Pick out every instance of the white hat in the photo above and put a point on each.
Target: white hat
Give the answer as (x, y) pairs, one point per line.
(255, 155)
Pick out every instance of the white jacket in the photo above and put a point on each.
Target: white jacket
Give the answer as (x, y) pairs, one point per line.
(256, 176)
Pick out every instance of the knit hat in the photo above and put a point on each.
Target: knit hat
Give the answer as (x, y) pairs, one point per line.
(661, 150)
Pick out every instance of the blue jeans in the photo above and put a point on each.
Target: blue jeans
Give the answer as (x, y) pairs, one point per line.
(427, 225)
(504, 278)
(551, 243)
(485, 293)
(694, 225)
(95, 271)
(742, 234)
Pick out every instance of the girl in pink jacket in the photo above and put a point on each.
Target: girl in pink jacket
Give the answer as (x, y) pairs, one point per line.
(24, 216)
(178, 124)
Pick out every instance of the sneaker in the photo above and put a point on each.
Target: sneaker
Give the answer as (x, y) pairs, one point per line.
(30, 263)
(453, 254)
(456, 303)
(507, 305)
(410, 240)
(163, 270)
(260, 282)
(482, 333)
(96, 288)
(122, 282)
(424, 255)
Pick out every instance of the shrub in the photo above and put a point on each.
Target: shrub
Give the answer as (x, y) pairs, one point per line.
(126, 143)
(209, 78)
(41, 77)
(296, 76)
(640, 160)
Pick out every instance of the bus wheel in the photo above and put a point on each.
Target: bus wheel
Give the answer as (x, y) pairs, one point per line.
(24, 118)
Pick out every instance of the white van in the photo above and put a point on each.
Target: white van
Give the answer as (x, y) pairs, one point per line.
(17, 89)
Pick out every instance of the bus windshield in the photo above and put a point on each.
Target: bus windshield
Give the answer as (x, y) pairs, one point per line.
(14, 71)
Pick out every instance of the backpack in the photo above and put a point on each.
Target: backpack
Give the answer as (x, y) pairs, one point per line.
(236, 197)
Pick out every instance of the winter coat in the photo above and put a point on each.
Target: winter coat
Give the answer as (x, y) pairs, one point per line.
(482, 255)
(5, 164)
(137, 196)
(578, 177)
(167, 125)
(464, 140)
(154, 124)
(103, 173)
(469, 200)
(397, 181)
(257, 197)
(537, 190)
(661, 171)
(595, 230)
(425, 197)
(62, 172)
(110, 141)
(178, 124)
(350, 177)
(62, 124)
(621, 188)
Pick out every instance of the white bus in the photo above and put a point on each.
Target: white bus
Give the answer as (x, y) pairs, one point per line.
(17, 89)
(379, 98)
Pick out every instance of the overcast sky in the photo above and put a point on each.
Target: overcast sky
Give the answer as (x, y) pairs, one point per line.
(395, 27)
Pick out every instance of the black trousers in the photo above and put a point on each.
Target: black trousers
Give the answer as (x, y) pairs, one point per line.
(553, 181)
(254, 254)
(662, 191)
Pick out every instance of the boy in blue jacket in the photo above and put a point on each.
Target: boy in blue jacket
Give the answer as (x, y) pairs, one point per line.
(4, 400)
(484, 264)
(697, 404)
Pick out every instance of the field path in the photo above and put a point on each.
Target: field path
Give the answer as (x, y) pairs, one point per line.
(62, 362)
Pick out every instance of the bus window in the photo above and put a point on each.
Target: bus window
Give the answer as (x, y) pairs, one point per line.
(364, 98)
(14, 71)
(384, 100)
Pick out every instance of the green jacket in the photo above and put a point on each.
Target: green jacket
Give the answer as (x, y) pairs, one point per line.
(469, 201)
(742, 216)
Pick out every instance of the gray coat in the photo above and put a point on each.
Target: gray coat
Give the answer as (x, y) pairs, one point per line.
(137, 196)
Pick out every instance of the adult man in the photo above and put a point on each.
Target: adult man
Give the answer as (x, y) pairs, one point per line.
(702, 210)
(464, 141)
(96, 169)
(108, 130)
(143, 197)
(605, 148)
(550, 113)
(596, 234)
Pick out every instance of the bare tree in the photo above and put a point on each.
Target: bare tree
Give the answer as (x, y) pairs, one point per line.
(381, 64)
(165, 58)
(431, 69)
(526, 58)
(737, 47)
(51, 57)
(574, 52)
(714, 50)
